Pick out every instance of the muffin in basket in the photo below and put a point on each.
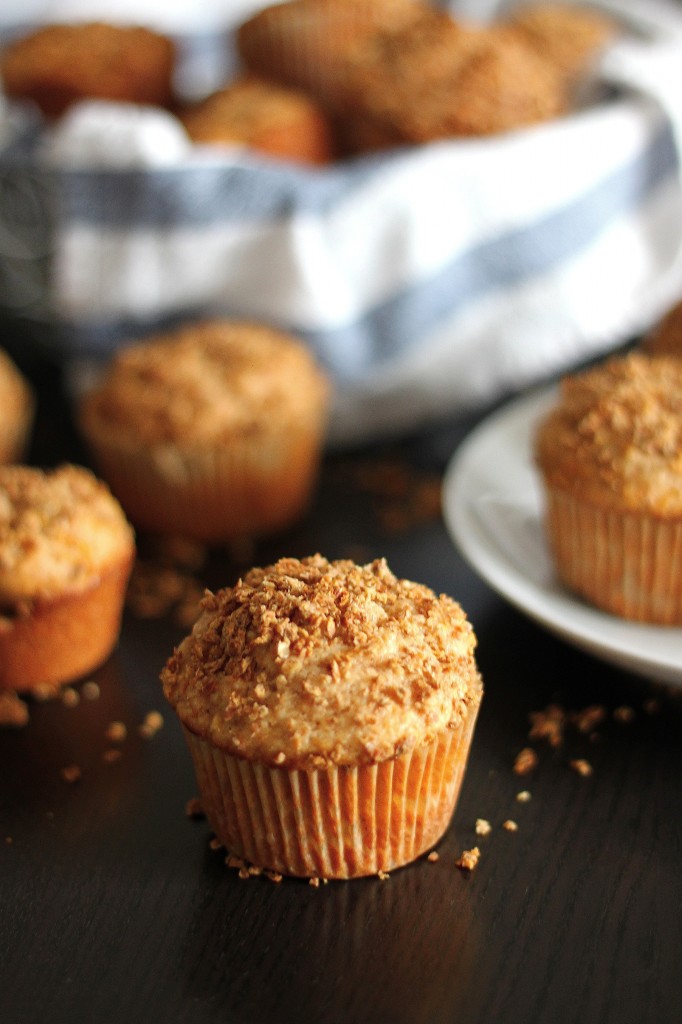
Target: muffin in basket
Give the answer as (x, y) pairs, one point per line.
(277, 120)
(16, 411)
(211, 432)
(436, 78)
(58, 65)
(66, 552)
(610, 456)
(329, 709)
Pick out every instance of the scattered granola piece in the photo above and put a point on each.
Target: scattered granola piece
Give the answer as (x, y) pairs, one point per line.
(274, 876)
(526, 760)
(70, 697)
(383, 875)
(244, 873)
(90, 690)
(589, 718)
(111, 755)
(71, 773)
(233, 861)
(652, 706)
(43, 692)
(548, 724)
(510, 826)
(468, 859)
(581, 766)
(523, 797)
(623, 713)
(433, 856)
(153, 722)
(215, 844)
(13, 710)
(482, 827)
(194, 808)
(255, 870)
(315, 882)
(116, 732)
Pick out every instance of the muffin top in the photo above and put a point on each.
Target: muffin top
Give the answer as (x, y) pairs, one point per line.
(205, 384)
(615, 435)
(59, 529)
(309, 663)
(568, 35)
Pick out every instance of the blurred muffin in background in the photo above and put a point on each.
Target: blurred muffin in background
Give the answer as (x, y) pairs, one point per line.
(212, 431)
(302, 42)
(665, 338)
(610, 457)
(66, 552)
(58, 65)
(437, 79)
(273, 119)
(570, 36)
(16, 411)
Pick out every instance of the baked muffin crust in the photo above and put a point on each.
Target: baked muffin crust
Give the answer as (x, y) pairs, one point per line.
(205, 384)
(615, 436)
(59, 531)
(311, 663)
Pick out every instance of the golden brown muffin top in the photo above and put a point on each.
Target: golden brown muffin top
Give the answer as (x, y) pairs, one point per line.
(615, 435)
(59, 529)
(15, 394)
(60, 63)
(206, 383)
(263, 115)
(308, 663)
(437, 78)
(568, 35)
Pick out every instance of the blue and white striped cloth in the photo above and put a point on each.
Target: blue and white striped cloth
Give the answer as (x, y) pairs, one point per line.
(430, 280)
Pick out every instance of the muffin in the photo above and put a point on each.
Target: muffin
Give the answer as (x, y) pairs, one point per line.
(211, 432)
(60, 64)
(610, 458)
(666, 337)
(276, 120)
(570, 36)
(16, 411)
(66, 552)
(302, 42)
(438, 79)
(329, 710)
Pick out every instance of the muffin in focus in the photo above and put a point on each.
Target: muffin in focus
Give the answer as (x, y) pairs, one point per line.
(610, 458)
(438, 79)
(211, 432)
(16, 411)
(58, 65)
(66, 552)
(276, 120)
(329, 710)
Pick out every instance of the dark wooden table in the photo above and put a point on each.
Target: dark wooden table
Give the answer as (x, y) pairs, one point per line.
(114, 908)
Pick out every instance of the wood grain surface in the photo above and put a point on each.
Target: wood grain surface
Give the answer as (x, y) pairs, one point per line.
(114, 908)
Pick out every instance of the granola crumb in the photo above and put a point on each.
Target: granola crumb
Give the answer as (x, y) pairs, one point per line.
(215, 844)
(623, 714)
(153, 722)
(274, 876)
(581, 766)
(13, 710)
(70, 697)
(523, 797)
(433, 856)
(111, 755)
(194, 808)
(652, 706)
(90, 690)
(43, 692)
(468, 859)
(255, 870)
(589, 718)
(244, 873)
(510, 826)
(233, 861)
(483, 827)
(116, 732)
(548, 725)
(383, 875)
(526, 760)
(315, 882)
(71, 773)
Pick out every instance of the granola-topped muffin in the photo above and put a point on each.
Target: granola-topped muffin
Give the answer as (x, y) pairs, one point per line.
(212, 431)
(610, 457)
(16, 411)
(57, 65)
(66, 551)
(329, 709)
(437, 79)
(276, 120)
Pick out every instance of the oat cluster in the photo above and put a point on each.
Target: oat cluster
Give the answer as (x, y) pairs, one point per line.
(309, 663)
(615, 435)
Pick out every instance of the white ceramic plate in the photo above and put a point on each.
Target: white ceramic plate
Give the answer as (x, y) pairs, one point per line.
(493, 508)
